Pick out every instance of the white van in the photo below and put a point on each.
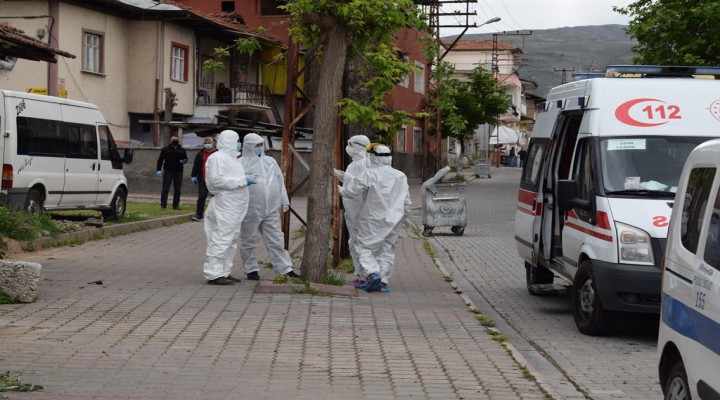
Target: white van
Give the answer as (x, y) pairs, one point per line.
(597, 189)
(59, 154)
(689, 335)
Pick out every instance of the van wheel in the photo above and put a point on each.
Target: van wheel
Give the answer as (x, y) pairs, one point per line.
(117, 206)
(591, 318)
(427, 231)
(458, 230)
(34, 204)
(537, 276)
(676, 387)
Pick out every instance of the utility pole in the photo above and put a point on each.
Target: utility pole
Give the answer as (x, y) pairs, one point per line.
(434, 10)
(564, 73)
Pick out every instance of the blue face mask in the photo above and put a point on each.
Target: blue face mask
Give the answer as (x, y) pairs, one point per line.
(239, 146)
(208, 146)
(258, 150)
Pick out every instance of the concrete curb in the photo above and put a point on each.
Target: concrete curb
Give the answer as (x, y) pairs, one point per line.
(13, 247)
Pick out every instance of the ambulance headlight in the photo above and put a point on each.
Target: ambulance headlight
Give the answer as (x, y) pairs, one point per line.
(633, 245)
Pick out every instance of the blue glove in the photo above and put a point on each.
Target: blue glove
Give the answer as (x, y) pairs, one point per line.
(193, 179)
(250, 181)
(159, 173)
(183, 161)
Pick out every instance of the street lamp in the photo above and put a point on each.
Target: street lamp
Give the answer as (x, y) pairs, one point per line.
(490, 21)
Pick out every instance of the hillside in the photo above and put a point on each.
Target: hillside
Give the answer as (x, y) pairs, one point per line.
(582, 48)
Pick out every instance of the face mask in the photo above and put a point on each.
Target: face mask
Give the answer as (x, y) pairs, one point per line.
(258, 150)
(208, 146)
(175, 142)
(350, 150)
(239, 146)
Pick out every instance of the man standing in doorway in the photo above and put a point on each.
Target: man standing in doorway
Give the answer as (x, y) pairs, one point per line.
(170, 168)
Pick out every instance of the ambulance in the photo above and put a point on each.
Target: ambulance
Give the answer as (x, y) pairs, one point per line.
(59, 154)
(598, 186)
(689, 334)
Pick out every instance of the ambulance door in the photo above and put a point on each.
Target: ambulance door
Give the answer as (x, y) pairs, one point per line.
(529, 207)
(562, 149)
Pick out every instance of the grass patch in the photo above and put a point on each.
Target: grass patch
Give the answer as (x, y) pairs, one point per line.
(333, 277)
(135, 211)
(7, 299)
(10, 383)
(346, 265)
(486, 321)
(300, 232)
(21, 226)
(448, 278)
(429, 249)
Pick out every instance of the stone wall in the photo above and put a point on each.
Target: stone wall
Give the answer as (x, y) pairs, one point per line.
(141, 172)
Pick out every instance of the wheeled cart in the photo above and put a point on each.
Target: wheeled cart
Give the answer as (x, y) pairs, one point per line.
(443, 204)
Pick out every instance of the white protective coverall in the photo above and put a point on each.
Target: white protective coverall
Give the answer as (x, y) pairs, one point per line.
(226, 180)
(267, 198)
(387, 204)
(355, 149)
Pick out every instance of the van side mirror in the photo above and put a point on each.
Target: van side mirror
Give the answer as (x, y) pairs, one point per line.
(567, 197)
(127, 156)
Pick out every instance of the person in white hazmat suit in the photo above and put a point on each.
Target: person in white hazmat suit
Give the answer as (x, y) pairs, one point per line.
(226, 180)
(267, 199)
(355, 149)
(387, 205)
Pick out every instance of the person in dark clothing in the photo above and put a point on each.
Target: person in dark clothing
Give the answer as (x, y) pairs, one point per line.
(523, 155)
(170, 167)
(198, 176)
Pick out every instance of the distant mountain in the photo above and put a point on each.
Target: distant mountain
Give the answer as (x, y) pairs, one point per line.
(580, 48)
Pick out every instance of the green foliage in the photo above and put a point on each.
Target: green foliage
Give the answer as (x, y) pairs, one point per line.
(242, 45)
(467, 104)
(7, 299)
(371, 27)
(674, 32)
(19, 225)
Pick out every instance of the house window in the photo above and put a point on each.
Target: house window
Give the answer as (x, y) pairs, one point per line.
(417, 140)
(419, 81)
(92, 52)
(179, 62)
(400, 148)
(227, 6)
(405, 82)
(270, 7)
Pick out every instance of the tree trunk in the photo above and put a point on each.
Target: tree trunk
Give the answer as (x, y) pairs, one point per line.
(320, 188)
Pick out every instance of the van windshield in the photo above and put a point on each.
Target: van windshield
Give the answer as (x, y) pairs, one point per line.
(644, 164)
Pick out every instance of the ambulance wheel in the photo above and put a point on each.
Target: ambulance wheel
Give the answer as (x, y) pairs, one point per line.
(117, 206)
(591, 318)
(427, 231)
(537, 276)
(458, 230)
(676, 387)
(34, 204)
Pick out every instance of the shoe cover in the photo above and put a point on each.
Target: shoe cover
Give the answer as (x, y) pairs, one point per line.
(373, 282)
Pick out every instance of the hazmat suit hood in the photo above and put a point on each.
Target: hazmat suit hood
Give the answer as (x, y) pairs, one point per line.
(380, 155)
(249, 142)
(356, 146)
(227, 142)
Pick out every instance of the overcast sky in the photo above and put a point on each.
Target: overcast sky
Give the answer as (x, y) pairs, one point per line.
(537, 14)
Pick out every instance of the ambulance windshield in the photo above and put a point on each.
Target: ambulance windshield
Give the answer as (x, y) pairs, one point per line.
(644, 164)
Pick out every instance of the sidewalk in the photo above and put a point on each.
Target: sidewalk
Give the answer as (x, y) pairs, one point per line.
(155, 330)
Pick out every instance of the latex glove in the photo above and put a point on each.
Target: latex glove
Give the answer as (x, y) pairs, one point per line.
(159, 173)
(183, 161)
(338, 174)
(285, 208)
(193, 179)
(250, 181)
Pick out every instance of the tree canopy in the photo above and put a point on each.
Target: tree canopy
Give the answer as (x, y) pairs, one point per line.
(674, 32)
(467, 104)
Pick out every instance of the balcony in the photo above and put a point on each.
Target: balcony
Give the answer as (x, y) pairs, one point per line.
(247, 99)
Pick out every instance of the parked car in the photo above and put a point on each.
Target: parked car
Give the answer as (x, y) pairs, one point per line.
(689, 334)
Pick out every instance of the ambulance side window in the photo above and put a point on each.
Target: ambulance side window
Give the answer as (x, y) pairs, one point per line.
(694, 205)
(533, 164)
(712, 242)
(583, 175)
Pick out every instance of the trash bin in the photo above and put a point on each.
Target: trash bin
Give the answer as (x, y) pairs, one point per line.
(443, 204)
(482, 167)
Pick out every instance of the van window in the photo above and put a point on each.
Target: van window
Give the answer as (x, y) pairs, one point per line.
(533, 164)
(40, 137)
(82, 141)
(108, 148)
(694, 205)
(583, 175)
(712, 242)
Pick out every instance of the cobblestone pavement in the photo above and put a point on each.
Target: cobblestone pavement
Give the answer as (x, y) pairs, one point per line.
(485, 263)
(131, 317)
